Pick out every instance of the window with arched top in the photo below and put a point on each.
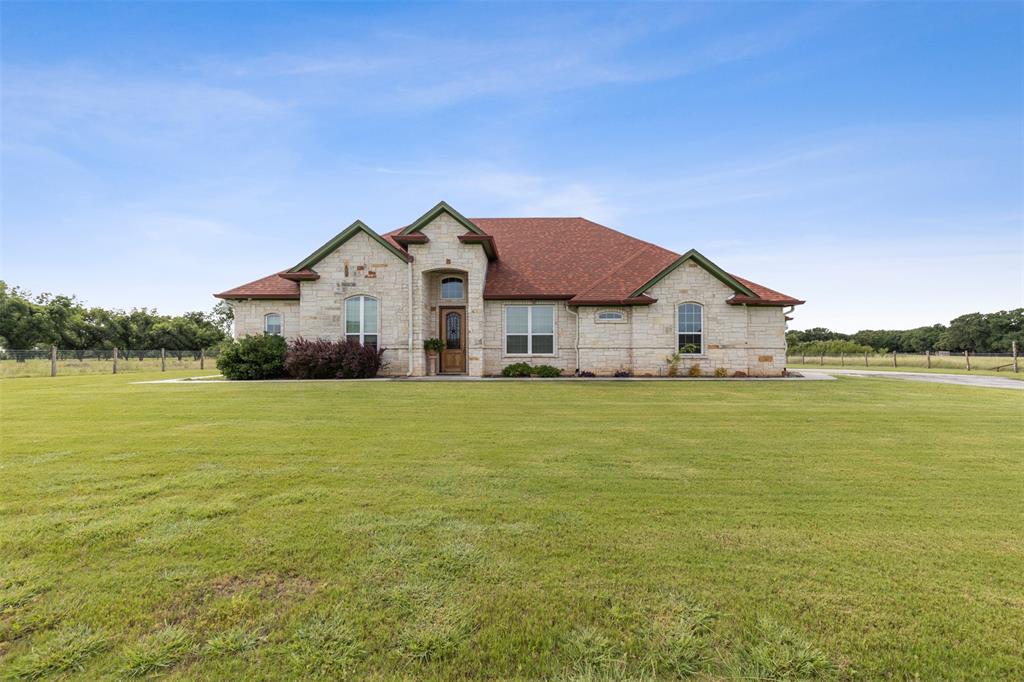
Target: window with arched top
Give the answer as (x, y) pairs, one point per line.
(272, 323)
(611, 316)
(691, 328)
(452, 287)
(361, 320)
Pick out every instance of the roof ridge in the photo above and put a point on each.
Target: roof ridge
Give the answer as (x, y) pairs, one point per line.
(614, 271)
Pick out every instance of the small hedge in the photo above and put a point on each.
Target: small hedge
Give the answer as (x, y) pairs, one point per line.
(327, 359)
(253, 357)
(524, 369)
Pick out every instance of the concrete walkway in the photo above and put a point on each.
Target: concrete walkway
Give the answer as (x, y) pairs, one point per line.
(957, 379)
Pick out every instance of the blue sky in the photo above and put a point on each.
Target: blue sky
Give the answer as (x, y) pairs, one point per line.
(866, 157)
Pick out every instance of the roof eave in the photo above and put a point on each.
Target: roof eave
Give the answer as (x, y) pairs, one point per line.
(335, 242)
(765, 302)
(484, 240)
(703, 261)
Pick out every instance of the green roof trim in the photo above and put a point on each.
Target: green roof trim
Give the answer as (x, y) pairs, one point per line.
(698, 258)
(342, 237)
(442, 207)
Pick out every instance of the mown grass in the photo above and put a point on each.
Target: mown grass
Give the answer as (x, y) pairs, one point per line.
(855, 529)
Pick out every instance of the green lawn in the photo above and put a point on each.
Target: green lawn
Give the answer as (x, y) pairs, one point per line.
(848, 529)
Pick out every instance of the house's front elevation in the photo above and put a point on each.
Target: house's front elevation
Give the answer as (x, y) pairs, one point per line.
(557, 291)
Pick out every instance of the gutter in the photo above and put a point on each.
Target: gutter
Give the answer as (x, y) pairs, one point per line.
(409, 270)
(576, 345)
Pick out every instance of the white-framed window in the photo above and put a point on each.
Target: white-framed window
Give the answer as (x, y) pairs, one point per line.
(361, 320)
(611, 316)
(530, 330)
(272, 324)
(453, 287)
(690, 327)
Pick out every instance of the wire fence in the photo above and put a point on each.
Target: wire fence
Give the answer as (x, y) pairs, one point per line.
(967, 361)
(57, 362)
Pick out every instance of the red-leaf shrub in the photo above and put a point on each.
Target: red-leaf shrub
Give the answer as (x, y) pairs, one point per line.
(327, 359)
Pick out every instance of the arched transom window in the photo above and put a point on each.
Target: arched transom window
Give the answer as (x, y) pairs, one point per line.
(611, 316)
(361, 320)
(691, 328)
(272, 323)
(452, 287)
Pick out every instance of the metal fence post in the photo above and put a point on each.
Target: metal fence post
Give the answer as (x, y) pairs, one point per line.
(842, 359)
(894, 358)
(967, 357)
(822, 359)
(115, 359)
(1014, 346)
(928, 357)
(163, 359)
(202, 358)
(865, 359)
(53, 361)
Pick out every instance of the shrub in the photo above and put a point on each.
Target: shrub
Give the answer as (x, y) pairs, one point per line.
(546, 371)
(253, 357)
(694, 370)
(721, 372)
(327, 359)
(623, 373)
(689, 349)
(673, 363)
(433, 345)
(517, 369)
(584, 374)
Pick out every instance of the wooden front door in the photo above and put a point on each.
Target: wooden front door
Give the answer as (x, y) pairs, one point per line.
(453, 333)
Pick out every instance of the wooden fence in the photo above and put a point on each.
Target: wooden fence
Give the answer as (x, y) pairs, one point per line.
(997, 362)
(56, 362)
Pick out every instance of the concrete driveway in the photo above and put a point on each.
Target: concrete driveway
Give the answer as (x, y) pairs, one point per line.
(958, 379)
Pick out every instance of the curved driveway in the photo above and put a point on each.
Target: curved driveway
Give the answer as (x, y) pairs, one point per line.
(958, 379)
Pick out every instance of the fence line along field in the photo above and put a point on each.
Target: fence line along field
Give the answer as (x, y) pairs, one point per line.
(56, 362)
(966, 361)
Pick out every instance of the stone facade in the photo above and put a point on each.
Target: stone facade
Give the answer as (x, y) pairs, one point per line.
(736, 338)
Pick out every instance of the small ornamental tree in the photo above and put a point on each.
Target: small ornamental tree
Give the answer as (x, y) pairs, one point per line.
(253, 357)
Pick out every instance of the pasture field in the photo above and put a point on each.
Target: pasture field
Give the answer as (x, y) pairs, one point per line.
(984, 365)
(848, 529)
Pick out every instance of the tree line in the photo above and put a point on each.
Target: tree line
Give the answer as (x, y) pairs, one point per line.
(974, 332)
(31, 322)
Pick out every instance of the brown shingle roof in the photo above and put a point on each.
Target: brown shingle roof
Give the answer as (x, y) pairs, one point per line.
(573, 259)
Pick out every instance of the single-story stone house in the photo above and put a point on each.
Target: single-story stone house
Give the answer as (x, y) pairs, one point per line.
(557, 291)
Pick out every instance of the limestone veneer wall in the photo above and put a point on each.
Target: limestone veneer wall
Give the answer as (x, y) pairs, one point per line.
(445, 253)
(360, 267)
(249, 316)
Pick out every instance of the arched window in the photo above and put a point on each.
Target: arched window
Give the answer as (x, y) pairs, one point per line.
(691, 328)
(452, 287)
(272, 324)
(361, 320)
(611, 316)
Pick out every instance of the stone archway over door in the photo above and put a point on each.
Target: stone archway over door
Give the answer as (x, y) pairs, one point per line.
(453, 333)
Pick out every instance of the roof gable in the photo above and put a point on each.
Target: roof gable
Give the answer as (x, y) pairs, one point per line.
(441, 207)
(698, 258)
(342, 237)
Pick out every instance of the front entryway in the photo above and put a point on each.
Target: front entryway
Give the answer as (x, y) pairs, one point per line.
(453, 333)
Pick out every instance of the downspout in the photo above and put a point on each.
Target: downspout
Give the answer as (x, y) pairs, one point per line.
(576, 346)
(409, 270)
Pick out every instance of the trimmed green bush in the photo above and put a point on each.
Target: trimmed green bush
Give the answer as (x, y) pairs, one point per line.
(517, 369)
(253, 357)
(546, 371)
(525, 369)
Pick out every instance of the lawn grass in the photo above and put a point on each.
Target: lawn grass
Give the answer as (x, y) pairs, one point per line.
(852, 529)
